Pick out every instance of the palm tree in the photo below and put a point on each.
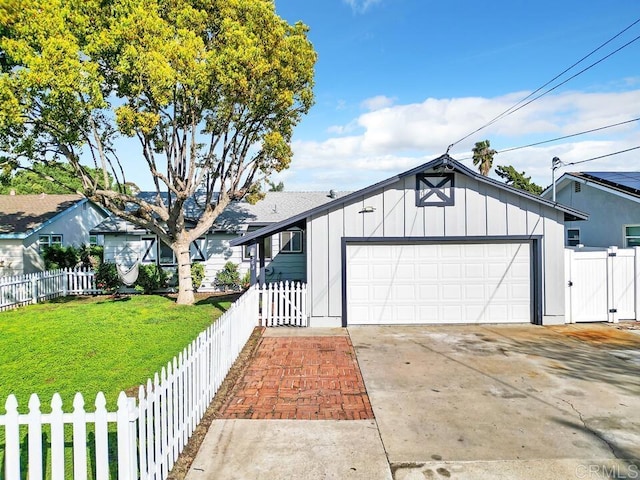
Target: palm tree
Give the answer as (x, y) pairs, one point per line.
(483, 156)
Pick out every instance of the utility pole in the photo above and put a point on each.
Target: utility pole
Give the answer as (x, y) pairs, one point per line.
(555, 164)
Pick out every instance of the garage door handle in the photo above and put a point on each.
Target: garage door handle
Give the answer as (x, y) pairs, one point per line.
(570, 283)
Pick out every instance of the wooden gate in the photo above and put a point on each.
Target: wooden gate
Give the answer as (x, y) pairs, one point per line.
(602, 284)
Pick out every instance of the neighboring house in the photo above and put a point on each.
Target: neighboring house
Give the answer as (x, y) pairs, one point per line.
(29, 222)
(612, 200)
(436, 244)
(124, 243)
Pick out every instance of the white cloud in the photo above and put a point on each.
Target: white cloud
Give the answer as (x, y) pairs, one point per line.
(377, 103)
(384, 142)
(361, 6)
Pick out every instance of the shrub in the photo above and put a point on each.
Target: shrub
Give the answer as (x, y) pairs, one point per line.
(91, 255)
(228, 278)
(57, 256)
(245, 281)
(150, 278)
(107, 277)
(197, 275)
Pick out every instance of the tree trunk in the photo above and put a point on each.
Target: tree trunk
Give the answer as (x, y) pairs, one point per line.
(185, 283)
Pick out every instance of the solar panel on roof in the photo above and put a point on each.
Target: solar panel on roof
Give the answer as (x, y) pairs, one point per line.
(624, 180)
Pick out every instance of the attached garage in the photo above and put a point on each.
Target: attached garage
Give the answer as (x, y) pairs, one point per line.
(439, 243)
(447, 282)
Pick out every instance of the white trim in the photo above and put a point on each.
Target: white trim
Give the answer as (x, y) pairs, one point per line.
(624, 234)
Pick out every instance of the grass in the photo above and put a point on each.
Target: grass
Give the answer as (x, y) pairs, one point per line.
(94, 344)
(88, 345)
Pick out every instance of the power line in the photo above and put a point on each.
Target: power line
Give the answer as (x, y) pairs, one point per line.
(602, 156)
(569, 136)
(563, 137)
(517, 106)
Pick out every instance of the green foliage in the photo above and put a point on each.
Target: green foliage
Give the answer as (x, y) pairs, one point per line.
(197, 274)
(229, 77)
(151, 278)
(518, 179)
(273, 187)
(228, 278)
(483, 156)
(50, 178)
(107, 277)
(57, 256)
(245, 281)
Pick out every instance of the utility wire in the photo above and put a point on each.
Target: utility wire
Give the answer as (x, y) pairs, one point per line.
(562, 138)
(568, 136)
(602, 156)
(517, 106)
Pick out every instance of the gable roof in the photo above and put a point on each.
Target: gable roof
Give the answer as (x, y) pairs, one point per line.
(445, 161)
(625, 184)
(275, 207)
(21, 215)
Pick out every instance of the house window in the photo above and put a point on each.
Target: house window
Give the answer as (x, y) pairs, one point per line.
(291, 241)
(93, 240)
(166, 254)
(632, 236)
(48, 241)
(246, 250)
(573, 237)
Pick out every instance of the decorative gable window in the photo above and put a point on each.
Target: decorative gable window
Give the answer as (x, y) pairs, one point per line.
(632, 236)
(434, 189)
(291, 241)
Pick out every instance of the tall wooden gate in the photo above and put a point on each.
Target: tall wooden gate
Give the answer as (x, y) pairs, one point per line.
(602, 285)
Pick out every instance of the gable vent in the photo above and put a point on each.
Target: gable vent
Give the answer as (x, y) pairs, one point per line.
(577, 187)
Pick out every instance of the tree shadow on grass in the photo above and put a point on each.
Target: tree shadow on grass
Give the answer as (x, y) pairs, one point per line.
(220, 301)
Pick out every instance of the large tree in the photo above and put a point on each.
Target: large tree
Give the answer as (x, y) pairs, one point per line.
(518, 179)
(211, 90)
(483, 156)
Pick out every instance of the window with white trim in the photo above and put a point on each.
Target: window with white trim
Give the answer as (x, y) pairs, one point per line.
(573, 237)
(93, 240)
(632, 236)
(48, 240)
(291, 241)
(165, 253)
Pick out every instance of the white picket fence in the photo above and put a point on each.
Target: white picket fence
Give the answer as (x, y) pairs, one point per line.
(152, 430)
(284, 304)
(602, 285)
(19, 290)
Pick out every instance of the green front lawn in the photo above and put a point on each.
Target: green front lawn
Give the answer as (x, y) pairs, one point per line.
(94, 344)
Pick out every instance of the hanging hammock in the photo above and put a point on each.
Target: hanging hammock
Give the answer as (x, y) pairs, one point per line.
(130, 275)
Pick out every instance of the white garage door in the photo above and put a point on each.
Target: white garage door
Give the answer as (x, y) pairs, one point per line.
(438, 283)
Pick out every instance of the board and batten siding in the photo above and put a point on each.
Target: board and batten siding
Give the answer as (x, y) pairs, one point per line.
(480, 210)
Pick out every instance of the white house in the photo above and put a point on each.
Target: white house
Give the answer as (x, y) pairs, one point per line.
(29, 222)
(436, 244)
(124, 243)
(612, 200)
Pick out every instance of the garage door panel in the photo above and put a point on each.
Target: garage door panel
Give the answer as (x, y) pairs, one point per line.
(446, 283)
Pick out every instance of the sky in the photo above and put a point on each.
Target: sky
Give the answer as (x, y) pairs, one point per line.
(398, 81)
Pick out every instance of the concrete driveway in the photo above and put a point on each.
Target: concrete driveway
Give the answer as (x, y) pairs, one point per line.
(474, 402)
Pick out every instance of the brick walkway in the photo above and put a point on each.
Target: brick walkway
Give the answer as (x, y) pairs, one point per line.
(302, 378)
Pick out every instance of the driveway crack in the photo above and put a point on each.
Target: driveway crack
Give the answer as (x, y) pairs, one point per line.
(595, 433)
